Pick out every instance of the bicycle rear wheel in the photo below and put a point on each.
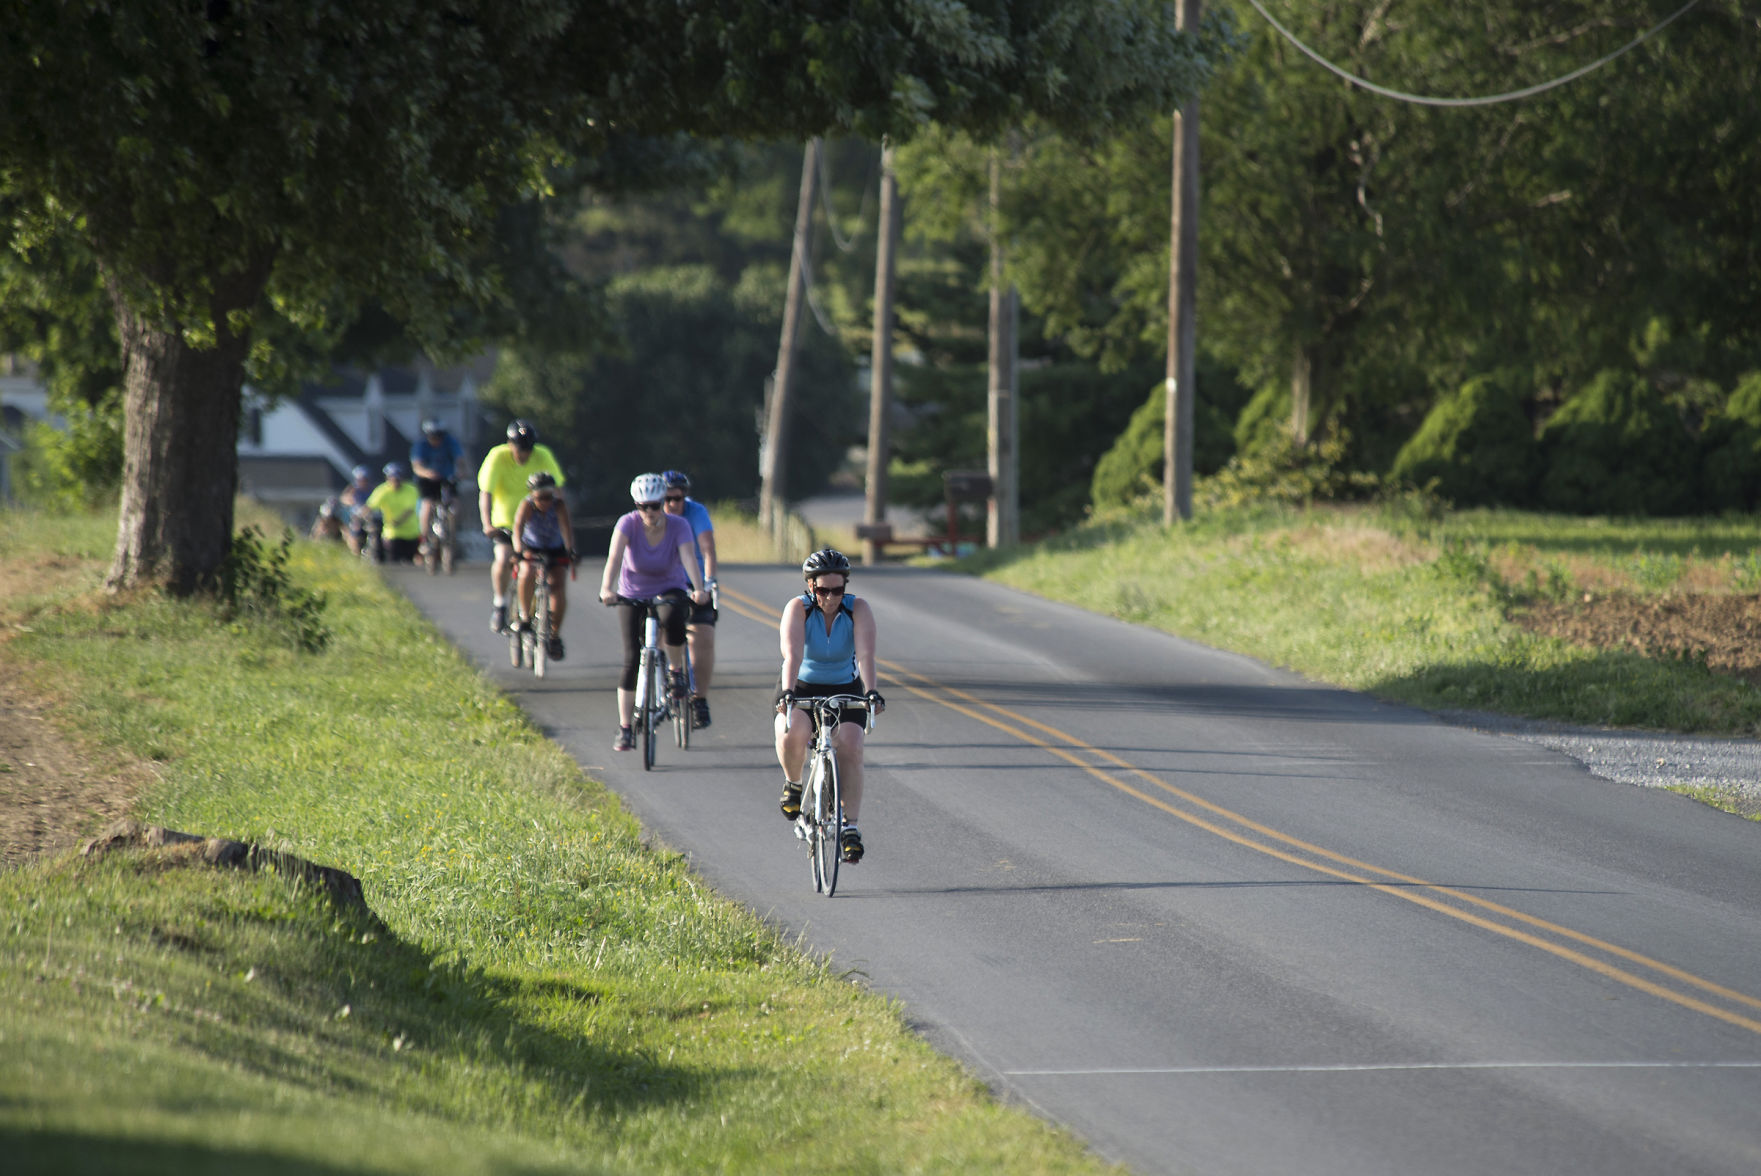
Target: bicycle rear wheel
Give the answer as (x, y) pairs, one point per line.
(682, 710)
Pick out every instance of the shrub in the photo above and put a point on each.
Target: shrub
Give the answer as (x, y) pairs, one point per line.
(77, 467)
(253, 583)
(1614, 447)
(1477, 446)
(1288, 473)
(1731, 444)
(1132, 468)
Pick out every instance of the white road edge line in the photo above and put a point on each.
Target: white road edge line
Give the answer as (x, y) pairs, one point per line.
(1351, 1068)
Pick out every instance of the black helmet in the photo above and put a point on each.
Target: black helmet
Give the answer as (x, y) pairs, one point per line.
(676, 480)
(542, 480)
(522, 434)
(824, 562)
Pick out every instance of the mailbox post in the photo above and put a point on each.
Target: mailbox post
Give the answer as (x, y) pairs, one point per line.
(963, 486)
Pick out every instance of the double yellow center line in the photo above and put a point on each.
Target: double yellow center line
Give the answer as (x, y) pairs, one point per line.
(1608, 960)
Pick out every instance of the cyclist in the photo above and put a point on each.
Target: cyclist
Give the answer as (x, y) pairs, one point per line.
(542, 526)
(397, 502)
(700, 632)
(328, 524)
(827, 638)
(354, 507)
(438, 461)
(501, 485)
(652, 554)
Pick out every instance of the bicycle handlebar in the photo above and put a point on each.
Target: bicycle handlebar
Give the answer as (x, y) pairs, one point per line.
(831, 702)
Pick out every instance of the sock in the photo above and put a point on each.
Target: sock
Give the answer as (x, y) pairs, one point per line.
(501, 602)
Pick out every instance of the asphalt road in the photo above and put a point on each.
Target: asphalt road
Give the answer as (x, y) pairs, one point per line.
(1211, 916)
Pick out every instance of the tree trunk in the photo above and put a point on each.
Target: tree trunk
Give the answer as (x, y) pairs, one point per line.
(180, 453)
(1302, 372)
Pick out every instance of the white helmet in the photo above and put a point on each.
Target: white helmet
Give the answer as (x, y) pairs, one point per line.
(647, 488)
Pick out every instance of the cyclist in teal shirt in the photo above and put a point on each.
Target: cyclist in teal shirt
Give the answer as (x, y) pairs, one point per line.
(827, 638)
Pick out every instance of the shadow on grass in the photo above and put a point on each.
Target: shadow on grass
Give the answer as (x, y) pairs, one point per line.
(1607, 688)
(279, 983)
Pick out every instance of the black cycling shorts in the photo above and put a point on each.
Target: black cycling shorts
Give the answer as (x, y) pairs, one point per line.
(821, 690)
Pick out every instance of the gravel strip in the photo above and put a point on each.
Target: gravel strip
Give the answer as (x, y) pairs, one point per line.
(1650, 759)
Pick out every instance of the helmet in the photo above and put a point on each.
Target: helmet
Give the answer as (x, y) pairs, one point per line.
(647, 488)
(825, 561)
(395, 469)
(433, 425)
(676, 480)
(360, 473)
(522, 434)
(542, 480)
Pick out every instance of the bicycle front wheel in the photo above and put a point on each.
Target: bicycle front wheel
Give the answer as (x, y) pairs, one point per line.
(653, 708)
(540, 632)
(516, 647)
(828, 826)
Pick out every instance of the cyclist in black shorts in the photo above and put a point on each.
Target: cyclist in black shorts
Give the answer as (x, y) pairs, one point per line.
(438, 461)
(542, 527)
(701, 630)
(827, 639)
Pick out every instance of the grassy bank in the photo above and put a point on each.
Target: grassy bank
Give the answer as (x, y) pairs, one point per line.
(535, 989)
(1414, 608)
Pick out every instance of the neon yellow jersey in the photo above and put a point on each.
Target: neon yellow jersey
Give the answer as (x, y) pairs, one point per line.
(401, 509)
(504, 478)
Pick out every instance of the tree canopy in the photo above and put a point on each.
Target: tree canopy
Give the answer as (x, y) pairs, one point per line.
(225, 157)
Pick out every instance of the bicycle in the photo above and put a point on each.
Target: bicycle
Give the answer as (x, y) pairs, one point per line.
(821, 823)
(529, 642)
(656, 699)
(441, 552)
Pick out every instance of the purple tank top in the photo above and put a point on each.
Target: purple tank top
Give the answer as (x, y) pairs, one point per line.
(649, 571)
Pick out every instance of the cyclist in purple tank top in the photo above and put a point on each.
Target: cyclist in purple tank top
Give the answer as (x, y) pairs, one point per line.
(652, 554)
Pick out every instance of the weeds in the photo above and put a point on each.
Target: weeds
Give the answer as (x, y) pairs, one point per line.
(254, 583)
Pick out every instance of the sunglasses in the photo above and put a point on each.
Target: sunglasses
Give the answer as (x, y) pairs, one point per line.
(838, 591)
(675, 498)
(648, 506)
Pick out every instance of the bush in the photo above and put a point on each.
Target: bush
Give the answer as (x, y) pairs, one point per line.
(1615, 448)
(253, 584)
(1132, 468)
(1476, 445)
(1731, 443)
(75, 468)
(1288, 473)
(1069, 414)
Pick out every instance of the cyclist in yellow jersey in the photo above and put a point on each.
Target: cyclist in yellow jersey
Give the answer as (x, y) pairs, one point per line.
(501, 487)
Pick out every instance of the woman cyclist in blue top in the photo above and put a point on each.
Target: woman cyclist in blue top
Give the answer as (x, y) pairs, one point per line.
(827, 638)
(542, 527)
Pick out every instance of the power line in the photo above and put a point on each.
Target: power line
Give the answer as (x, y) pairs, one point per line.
(844, 244)
(1488, 100)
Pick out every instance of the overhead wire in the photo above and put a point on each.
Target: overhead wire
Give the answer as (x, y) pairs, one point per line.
(1486, 100)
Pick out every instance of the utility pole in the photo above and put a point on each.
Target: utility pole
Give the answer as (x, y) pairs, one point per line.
(1182, 299)
(880, 386)
(773, 469)
(1003, 512)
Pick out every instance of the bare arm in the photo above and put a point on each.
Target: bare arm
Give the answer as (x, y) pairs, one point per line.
(862, 618)
(792, 639)
(520, 516)
(706, 544)
(614, 560)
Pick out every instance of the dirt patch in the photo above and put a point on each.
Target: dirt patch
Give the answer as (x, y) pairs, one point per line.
(53, 791)
(1723, 630)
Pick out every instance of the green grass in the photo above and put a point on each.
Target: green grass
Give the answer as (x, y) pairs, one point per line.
(1412, 608)
(536, 989)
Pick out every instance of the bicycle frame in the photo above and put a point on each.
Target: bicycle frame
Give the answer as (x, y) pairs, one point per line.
(821, 823)
(654, 702)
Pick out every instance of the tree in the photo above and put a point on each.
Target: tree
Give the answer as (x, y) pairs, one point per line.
(225, 157)
(679, 387)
